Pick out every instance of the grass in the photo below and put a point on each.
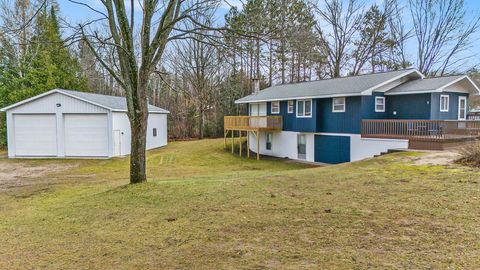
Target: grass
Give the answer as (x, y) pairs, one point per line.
(205, 208)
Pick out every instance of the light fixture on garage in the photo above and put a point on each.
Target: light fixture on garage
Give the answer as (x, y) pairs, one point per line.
(59, 105)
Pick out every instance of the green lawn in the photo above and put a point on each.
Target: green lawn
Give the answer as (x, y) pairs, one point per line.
(205, 208)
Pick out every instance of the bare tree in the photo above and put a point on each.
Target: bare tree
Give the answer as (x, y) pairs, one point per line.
(197, 62)
(342, 23)
(373, 39)
(399, 35)
(442, 33)
(160, 25)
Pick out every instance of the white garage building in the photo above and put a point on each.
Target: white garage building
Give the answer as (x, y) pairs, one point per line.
(66, 123)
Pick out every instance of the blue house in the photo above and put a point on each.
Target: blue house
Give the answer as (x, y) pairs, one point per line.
(352, 118)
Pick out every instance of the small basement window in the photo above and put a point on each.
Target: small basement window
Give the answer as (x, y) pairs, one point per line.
(154, 132)
(379, 104)
(338, 104)
(290, 106)
(269, 141)
(275, 109)
(444, 100)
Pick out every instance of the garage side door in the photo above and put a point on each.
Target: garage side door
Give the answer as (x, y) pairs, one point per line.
(35, 134)
(332, 149)
(86, 135)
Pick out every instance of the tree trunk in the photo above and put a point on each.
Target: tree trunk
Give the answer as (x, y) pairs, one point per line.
(270, 66)
(200, 123)
(292, 70)
(138, 166)
(257, 72)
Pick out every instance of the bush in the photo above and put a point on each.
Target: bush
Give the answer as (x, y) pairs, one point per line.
(470, 155)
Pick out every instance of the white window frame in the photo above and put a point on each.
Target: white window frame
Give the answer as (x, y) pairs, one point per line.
(301, 156)
(344, 104)
(376, 104)
(278, 106)
(267, 135)
(441, 103)
(290, 104)
(303, 107)
(460, 98)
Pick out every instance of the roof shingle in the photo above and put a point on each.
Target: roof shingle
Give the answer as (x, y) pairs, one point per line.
(424, 85)
(352, 85)
(111, 102)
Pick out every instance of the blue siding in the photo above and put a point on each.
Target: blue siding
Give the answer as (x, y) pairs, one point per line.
(414, 106)
(368, 107)
(339, 122)
(290, 120)
(332, 149)
(452, 113)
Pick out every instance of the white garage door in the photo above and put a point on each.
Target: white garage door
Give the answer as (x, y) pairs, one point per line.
(86, 135)
(35, 134)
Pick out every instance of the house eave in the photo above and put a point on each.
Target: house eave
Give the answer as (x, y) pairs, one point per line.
(28, 100)
(297, 98)
(20, 103)
(371, 89)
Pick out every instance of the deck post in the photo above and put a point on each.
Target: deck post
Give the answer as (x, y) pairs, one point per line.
(240, 143)
(248, 144)
(225, 133)
(233, 140)
(258, 145)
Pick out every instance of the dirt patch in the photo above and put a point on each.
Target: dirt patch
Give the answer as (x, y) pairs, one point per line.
(14, 174)
(437, 158)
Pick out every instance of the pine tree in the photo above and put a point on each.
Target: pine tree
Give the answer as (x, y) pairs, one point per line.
(53, 65)
(46, 64)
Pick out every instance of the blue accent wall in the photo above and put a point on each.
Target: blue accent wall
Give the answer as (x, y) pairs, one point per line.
(368, 107)
(452, 113)
(414, 106)
(410, 106)
(290, 120)
(332, 149)
(339, 122)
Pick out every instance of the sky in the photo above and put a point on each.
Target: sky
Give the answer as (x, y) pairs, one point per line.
(74, 14)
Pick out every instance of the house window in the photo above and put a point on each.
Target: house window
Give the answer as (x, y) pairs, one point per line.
(258, 109)
(269, 141)
(290, 106)
(254, 108)
(275, 109)
(338, 104)
(154, 132)
(379, 104)
(302, 146)
(444, 100)
(304, 108)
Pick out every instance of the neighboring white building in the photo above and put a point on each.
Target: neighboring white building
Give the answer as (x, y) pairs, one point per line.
(66, 123)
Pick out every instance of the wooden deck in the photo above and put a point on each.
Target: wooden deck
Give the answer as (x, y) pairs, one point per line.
(249, 125)
(423, 134)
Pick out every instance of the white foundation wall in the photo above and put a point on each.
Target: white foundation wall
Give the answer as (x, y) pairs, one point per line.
(284, 145)
(361, 148)
(155, 120)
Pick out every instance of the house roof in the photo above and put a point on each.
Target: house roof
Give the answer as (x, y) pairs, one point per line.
(112, 103)
(345, 86)
(429, 85)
